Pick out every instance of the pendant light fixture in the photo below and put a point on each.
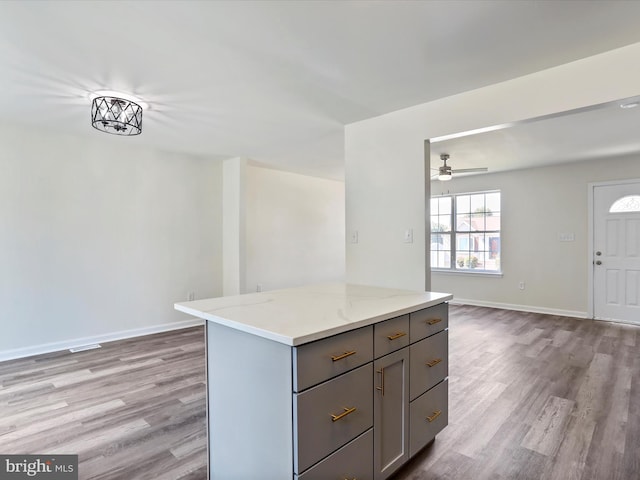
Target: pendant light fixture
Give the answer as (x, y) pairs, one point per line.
(116, 115)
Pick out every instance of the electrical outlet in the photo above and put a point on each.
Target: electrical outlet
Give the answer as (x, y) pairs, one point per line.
(354, 236)
(259, 287)
(521, 285)
(191, 296)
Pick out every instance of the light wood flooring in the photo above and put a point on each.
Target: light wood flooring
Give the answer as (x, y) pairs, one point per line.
(531, 397)
(537, 397)
(134, 409)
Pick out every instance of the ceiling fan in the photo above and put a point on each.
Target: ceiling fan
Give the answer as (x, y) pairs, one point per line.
(445, 171)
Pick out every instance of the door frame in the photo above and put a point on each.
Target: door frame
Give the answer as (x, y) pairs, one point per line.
(590, 244)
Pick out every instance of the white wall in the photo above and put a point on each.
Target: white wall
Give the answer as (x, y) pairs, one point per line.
(385, 177)
(234, 173)
(100, 238)
(537, 205)
(294, 229)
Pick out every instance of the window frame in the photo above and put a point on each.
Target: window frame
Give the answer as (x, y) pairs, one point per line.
(453, 233)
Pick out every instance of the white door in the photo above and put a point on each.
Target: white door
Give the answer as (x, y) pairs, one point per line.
(616, 252)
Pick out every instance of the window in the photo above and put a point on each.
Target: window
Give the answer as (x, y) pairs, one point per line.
(630, 203)
(465, 232)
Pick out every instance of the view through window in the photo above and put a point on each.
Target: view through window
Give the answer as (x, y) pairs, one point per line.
(465, 232)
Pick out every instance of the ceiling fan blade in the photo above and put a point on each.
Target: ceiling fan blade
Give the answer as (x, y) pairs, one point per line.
(469, 170)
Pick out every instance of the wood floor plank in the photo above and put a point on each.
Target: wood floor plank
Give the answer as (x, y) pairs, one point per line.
(547, 432)
(570, 460)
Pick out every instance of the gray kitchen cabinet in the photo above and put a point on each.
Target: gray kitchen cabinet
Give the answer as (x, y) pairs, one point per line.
(321, 404)
(391, 335)
(321, 360)
(391, 413)
(331, 414)
(429, 363)
(426, 322)
(350, 462)
(428, 415)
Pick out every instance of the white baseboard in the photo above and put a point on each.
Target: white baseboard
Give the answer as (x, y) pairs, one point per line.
(520, 308)
(109, 337)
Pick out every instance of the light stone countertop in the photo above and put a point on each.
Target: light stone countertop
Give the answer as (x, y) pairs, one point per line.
(294, 316)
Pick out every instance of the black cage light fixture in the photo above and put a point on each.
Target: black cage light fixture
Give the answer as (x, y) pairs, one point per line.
(111, 113)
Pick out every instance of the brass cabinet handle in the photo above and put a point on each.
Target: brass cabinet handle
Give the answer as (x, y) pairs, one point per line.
(434, 362)
(435, 415)
(433, 321)
(396, 335)
(347, 411)
(335, 358)
(381, 387)
(345, 478)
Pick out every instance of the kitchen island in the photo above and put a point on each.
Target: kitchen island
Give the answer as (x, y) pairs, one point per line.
(323, 381)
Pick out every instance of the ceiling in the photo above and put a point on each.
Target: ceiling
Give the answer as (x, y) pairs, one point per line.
(276, 81)
(598, 131)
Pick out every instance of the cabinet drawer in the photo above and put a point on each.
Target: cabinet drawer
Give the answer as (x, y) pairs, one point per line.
(429, 321)
(318, 361)
(428, 415)
(390, 335)
(330, 415)
(354, 460)
(429, 363)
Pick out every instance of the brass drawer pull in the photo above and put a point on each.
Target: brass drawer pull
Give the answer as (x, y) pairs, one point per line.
(347, 411)
(396, 335)
(433, 321)
(435, 415)
(345, 478)
(381, 387)
(335, 358)
(434, 362)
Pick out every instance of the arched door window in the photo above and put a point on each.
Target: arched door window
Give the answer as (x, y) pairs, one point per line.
(626, 204)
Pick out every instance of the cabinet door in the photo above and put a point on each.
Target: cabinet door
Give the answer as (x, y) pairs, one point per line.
(351, 461)
(390, 335)
(391, 413)
(425, 323)
(331, 414)
(429, 363)
(429, 414)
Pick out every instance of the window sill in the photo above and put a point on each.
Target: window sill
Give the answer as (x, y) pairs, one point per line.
(472, 273)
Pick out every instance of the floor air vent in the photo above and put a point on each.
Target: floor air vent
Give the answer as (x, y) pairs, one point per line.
(82, 348)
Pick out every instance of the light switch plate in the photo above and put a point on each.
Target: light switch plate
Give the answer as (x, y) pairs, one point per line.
(566, 237)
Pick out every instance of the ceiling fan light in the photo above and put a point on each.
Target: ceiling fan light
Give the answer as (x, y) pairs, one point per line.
(444, 177)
